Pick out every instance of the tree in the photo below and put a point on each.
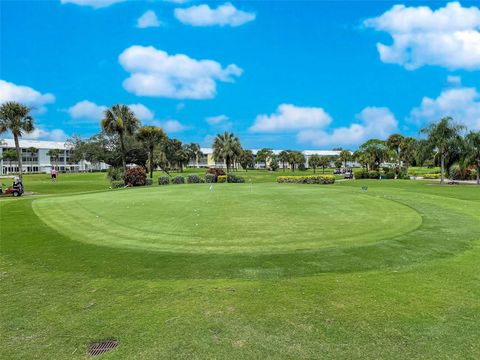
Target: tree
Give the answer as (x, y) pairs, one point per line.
(150, 137)
(182, 155)
(283, 157)
(408, 147)
(54, 154)
(337, 163)
(473, 151)
(375, 152)
(194, 152)
(263, 155)
(172, 148)
(273, 164)
(226, 147)
(394, 142)
(444, 136)
(32, 151)
(345, 156)
(10, 155)
(120, 120)
(314, 162)
(295, 158)
(324, 162)
(247, 159)
(16, 118)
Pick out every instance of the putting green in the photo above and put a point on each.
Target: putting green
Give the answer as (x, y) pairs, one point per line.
(232, 218)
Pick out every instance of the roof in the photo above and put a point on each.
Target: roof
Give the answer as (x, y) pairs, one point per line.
(39, 144)
(276, 152)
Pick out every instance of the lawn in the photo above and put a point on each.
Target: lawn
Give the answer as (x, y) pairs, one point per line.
(356, 270)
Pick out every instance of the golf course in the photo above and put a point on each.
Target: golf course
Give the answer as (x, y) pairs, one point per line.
(360, 269)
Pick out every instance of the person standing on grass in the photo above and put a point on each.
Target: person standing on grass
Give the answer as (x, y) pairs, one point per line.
(53, 174)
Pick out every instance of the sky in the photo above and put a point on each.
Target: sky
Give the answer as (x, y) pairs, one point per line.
(279, 74)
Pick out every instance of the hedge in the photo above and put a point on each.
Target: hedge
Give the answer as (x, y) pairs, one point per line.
(163, 180)
(222, 178)
(116, 184)
(178, 180)
(431, 176)
(210, 178)
(231, 178)
(311, 179)
(135, 176)
(194, 179)
(149, 182)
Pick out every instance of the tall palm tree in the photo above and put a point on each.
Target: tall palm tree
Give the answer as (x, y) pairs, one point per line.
(444, 136)
(226, 147)
(182, 155)
(394, 142)
(32, 151)
(473, 151)
(314, 162)
(194, 152)
(54, 154)
(345, 156)
(120, 120)
(150, 136)
(16, 118)
(283, 157)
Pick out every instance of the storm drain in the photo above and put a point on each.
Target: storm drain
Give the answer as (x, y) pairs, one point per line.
(101, 347)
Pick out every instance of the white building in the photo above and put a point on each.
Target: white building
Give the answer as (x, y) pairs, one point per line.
(207, 159)
(39, 161)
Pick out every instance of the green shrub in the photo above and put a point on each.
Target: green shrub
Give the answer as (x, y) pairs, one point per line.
(373, 174)
(360, 174)
(149, 182)
(210, 178)
(311, 179)
(194, 179)
(231, 178)
(135, 176)
(163, 180)
(114, 174)
(116, 184)
(390, 175)
(222, 178)
(431, 176)
(178, 180)
(403, 175)
(302, 167)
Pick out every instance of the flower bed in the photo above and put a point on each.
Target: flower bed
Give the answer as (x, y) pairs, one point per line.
(310, 179)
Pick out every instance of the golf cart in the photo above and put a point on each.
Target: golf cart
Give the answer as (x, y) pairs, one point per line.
(15, 190)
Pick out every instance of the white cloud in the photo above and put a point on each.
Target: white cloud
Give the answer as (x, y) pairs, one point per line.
(373, 122)
(216, 120)
(141, 112)
(96, 4)
(223, 15)
(25, 95)
(87, 110)
(148, 19)
(52, 135)
(171, 125)
(448, 36)
(462, 104)
(290, 117)
(156, 73)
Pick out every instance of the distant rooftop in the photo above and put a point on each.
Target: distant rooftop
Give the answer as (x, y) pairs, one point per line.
(39, 144)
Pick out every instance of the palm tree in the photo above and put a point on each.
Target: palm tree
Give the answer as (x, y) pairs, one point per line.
(16, 118)
(120, 120)
(247, 159)
(182, 155)
(226, 147)
(345, 156)
(283, 157)
(10, 155)
(444, 136)
(194, 152)
(473, 151)
(394, 142)
(32, 151)
(54, 154)
(263, 155)
(324, 162)
(314, 162)
(150, 136)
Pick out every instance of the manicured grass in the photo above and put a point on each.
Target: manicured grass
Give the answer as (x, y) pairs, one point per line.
(270, 271)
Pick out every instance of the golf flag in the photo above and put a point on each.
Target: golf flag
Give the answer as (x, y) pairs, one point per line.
(211, 187)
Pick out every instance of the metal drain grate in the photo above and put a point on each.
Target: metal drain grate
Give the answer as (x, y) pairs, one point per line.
(101, 347)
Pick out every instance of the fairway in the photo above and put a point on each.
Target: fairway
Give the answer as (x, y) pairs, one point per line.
(228, 218)
(358, 269)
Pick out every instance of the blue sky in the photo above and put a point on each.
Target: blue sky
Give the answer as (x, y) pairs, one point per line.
(286, 74)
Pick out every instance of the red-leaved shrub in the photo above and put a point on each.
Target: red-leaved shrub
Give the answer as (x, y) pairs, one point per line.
(135, 176)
